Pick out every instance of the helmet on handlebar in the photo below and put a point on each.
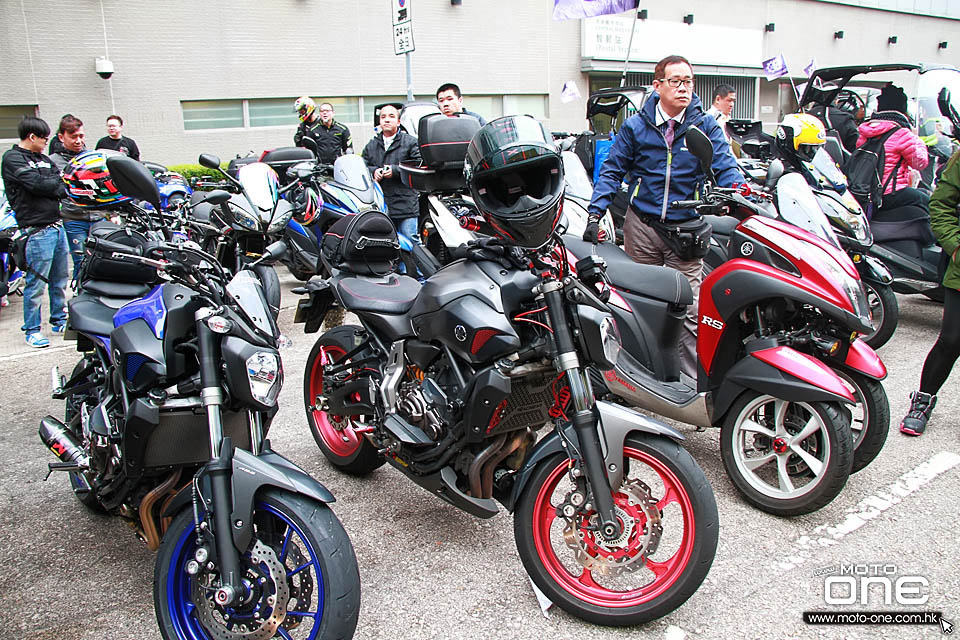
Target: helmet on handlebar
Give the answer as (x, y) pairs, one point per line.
(304, 106)
(515, 175)
(89, 183)
(800, 135)
(307, 206)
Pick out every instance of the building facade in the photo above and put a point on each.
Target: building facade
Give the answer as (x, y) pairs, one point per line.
(220, 77)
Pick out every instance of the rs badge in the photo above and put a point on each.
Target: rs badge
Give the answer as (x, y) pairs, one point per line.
(710, 322)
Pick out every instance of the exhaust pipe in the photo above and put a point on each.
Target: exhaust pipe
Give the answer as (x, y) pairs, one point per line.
(63, 443)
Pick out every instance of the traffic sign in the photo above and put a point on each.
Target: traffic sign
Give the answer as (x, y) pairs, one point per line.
(402, 26)
(401, 11)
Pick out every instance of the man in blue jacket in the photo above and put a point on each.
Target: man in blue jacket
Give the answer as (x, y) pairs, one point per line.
(651, 147)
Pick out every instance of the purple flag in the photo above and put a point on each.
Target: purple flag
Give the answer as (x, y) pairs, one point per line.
(775, 67)
(573, 9)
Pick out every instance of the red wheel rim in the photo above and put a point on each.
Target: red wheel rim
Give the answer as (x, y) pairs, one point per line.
(582, 586)
(341, 442)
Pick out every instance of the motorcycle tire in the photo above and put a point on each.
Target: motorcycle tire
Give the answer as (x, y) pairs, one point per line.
(826, 454)
(300, 274)
(271, 287)
(347, 450)
(302, 534)
(81, 488)
(870, 422)
(881, 298)
(670, 485)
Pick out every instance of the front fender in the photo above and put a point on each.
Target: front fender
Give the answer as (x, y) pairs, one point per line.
(615, 423)
(862, 358)
(873, 270)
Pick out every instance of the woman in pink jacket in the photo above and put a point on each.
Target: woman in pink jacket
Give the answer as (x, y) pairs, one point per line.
(902, 150)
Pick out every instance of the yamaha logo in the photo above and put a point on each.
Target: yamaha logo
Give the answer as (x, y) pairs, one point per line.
(460, 332)
(746, 248)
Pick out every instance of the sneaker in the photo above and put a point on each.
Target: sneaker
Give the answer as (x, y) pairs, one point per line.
(921, 406)
(37, 340)
(58, 329)
(4, 302)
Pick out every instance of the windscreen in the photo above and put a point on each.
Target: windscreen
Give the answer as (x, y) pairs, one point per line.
(261, 187)
(351, 171)
(799, 207)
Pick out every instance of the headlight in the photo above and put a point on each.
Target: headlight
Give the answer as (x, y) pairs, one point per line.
(266, 377)
(244, 218)
(846, 215)
(610, 337)
(280, 218)
(850, 285)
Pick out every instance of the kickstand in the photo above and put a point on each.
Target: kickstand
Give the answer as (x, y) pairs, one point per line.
(542, 599)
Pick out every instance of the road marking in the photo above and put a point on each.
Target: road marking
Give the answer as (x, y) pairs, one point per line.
(38, 352)
(805, 547)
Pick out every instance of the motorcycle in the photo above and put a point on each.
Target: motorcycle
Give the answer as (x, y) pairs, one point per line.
(785, 434)
(449, 381)
(12, 279)
(167, 413)
(172, 186)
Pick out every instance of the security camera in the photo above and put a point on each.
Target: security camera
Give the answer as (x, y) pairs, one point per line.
(104, 68)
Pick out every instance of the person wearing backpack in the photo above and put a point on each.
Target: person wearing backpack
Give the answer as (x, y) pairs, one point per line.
(886, 140)
(946, 350)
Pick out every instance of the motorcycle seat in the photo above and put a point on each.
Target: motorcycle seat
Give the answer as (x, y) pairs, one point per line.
(651, 281)
(722, 225)
(110, 289)
(393, 294)
(93, 315)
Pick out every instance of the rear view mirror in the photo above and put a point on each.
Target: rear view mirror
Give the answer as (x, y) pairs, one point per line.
(774, 171)
(209, 161)
(700, 146)
(947, 109)
(217, 196)
(133, 179)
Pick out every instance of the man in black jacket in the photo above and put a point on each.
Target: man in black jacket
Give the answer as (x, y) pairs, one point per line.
(333, 139)
(116, 141)
(34, 188)
(382, 154)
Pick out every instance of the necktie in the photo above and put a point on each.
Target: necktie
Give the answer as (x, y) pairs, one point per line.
(669, 133)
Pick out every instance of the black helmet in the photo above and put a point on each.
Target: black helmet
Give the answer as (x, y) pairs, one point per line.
(515, 175)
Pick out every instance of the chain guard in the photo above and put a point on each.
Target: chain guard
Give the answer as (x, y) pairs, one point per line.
(271, 592)
(627, 553)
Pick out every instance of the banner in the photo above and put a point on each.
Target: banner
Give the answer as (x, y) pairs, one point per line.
(775, 67)
(570, 92)
(574, 9)
(810, 68)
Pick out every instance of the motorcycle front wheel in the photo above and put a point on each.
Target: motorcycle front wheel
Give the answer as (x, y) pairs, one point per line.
(870, 419)
(300, 574)
(670, 520)
(884, 313)
(786, 458)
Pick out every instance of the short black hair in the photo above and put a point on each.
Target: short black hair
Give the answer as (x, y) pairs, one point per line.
(722, 91)
(115, 117)
(449, 86)
(36, 126)
(69, 124)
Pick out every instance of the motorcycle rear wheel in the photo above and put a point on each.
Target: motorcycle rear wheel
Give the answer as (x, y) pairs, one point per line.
(318, 563)
(808, 441)
(622, 584)
(81, 488)
(347, 450)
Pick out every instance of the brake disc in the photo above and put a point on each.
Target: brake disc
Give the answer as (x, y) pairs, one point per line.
(258, 617)
(636, 508)
(301, 590)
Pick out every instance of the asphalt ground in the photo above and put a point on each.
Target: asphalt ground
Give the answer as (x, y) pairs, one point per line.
(430, 571)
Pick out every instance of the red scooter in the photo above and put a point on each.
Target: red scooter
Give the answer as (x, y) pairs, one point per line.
(785, 441)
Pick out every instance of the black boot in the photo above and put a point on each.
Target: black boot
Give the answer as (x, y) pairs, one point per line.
(921, 406)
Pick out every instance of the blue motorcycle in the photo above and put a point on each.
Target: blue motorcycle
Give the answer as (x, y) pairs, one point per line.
(11, 278)
(172, 186)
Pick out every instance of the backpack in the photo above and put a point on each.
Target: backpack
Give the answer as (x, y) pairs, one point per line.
(363, 243)
(865, 171)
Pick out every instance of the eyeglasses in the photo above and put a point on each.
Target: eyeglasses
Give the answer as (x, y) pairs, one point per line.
(676, 82)
(44, 138)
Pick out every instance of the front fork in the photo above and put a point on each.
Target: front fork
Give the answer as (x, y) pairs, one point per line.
(585, 417)
(221, 462)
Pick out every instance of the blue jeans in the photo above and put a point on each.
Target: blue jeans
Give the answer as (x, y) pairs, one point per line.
(47, 255)
(408, 227)
(77, 232)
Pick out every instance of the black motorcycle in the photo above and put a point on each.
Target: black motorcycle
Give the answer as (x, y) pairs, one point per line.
(166, 418)
(449, 382)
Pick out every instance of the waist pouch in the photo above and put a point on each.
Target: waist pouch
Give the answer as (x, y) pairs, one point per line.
(689, 239)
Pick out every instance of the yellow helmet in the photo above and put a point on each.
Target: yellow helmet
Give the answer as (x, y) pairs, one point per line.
(304, 106)
(801, 134)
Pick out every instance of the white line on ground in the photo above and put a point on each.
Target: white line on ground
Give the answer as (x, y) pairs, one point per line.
(805, 547)
(37, 352)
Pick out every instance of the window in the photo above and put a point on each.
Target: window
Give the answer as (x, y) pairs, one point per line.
(271, 112)
(10, 117)
(212, 114)
(489, 107)
(535, 106)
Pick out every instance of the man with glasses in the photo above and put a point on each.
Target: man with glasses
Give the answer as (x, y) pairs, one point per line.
(333, 138)
(34, 188)
(651, 147)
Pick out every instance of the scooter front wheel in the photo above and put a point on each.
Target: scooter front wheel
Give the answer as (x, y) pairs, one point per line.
(884, 313)
(870, 420)
(786, 458)
(670, 527)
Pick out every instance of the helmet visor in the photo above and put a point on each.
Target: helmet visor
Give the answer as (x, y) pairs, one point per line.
(508, 140)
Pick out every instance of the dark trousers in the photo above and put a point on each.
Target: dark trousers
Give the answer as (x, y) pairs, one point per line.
(946, 350)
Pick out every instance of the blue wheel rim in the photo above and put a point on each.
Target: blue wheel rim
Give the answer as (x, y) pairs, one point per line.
(180, 605)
